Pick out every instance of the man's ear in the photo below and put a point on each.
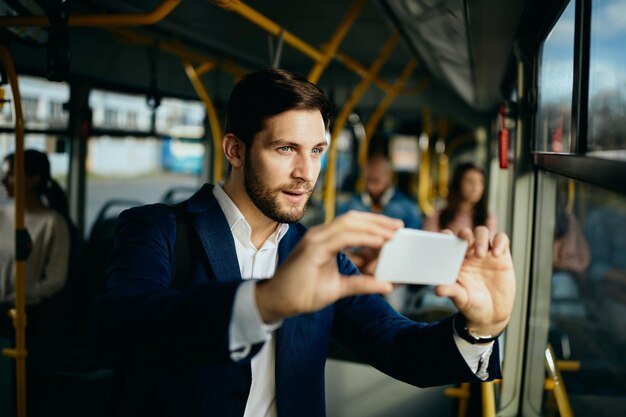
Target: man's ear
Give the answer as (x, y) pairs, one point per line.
(234, 149)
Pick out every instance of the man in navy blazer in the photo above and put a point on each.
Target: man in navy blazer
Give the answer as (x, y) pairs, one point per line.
(249, 335)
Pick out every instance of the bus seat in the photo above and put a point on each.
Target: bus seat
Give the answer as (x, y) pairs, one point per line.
(177, 194)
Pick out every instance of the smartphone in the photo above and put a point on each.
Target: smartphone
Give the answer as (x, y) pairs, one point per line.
(419, 257)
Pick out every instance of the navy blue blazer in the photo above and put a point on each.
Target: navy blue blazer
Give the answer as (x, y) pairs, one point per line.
(171, 346)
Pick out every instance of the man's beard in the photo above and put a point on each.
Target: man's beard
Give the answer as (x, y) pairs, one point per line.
(267, 199)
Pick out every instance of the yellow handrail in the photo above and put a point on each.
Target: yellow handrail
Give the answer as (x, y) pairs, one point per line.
(331, 48)
(488, 399)
(273, 28)
(216, 130)
(342, 118)
(175, 48)
(423, 185)
(133, 19)
(18, 314)
(560, 394)
(462, 393)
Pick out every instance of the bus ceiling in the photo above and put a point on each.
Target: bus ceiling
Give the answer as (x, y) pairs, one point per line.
(463, 48)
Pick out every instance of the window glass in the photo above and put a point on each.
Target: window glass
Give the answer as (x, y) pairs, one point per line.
(119, 111)
(607, 78)
(42, 104)
(554, 113)
(128, 171)
(588, 297)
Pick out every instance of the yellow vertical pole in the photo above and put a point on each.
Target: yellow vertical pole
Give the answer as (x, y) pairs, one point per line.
(562, 400)
(423, 186)
(331, 48)
(489, 399)
(375, 118)
(342, 118)
(216, 130)
(441, 189)
(18, 314)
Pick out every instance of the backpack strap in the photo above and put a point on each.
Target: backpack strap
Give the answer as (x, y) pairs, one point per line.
(182, 248)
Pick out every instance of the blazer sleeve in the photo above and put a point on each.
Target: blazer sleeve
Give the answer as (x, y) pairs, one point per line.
(140, 319)
(421, 354)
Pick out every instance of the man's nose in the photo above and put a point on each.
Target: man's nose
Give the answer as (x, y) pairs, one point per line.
(304, 168)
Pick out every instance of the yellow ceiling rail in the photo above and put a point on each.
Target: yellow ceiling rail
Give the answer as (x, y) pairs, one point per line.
(375, 118)
(354, 66)
(134, 19)
(175, 48)
(18, 314)
(331, 48)
(269, 26)
(342, 118)
(257, 18)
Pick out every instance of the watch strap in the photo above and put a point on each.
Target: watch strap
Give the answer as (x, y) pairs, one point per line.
(461, 330)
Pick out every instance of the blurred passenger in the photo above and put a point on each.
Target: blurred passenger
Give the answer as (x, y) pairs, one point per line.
(467, 203)
(248, 330)
(380, 196)
(46, 211)
(466, 208)
(570, 259)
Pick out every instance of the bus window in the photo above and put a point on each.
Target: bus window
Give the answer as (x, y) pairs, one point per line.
(554, 113)
(588, 296)
(607, 79)
(42, 106)
(140, 170)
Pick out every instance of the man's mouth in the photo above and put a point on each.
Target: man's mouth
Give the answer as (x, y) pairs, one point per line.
(296, 196)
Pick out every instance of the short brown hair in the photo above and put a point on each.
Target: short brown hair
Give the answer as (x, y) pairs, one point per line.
(263, 94)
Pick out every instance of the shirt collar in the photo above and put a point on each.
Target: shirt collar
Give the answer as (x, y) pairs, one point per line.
(238, 224)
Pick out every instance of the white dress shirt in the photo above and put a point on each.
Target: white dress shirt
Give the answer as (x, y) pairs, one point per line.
(247, 327)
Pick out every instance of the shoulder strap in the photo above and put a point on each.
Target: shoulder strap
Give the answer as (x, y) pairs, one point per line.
(182, 248)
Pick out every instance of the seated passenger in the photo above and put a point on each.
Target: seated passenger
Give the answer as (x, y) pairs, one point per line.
(467, 203)
(46, 211)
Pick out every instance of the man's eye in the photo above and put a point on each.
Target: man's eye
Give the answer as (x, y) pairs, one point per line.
(317, 151)
(284, 148)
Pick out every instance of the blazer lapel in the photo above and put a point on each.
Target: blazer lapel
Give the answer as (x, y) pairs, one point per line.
(214, 233)
(286, 356)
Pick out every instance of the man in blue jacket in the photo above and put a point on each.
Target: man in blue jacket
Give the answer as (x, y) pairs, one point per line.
(249, 334)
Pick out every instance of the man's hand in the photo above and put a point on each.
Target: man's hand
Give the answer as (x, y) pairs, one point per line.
(309, 279)
(485, 288)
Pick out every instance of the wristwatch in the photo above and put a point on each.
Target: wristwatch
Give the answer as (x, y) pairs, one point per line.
(458, 322)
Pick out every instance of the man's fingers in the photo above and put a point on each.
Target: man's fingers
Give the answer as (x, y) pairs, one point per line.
(482, 241)
(500, 244)
(452, 291)
(349, 229)
(338, 241)
(363, 284)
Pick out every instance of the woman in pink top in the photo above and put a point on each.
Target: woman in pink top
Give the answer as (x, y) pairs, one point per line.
(467, 203)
